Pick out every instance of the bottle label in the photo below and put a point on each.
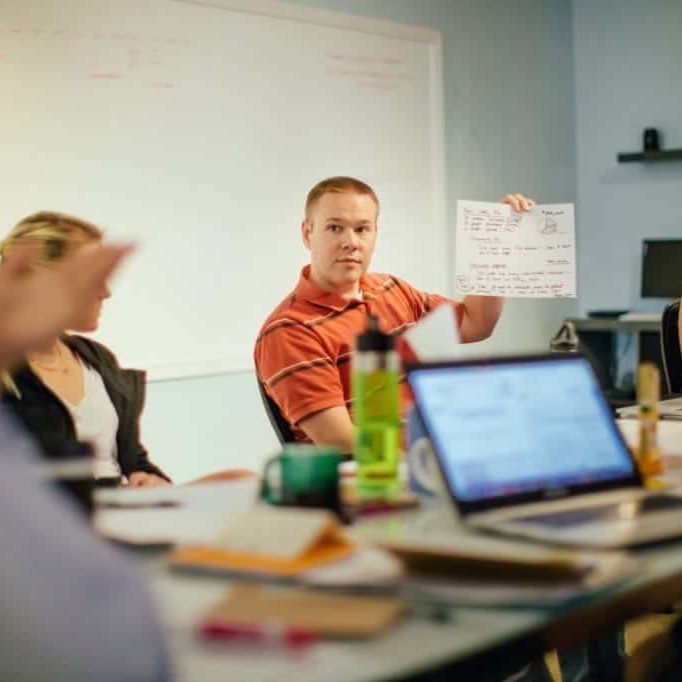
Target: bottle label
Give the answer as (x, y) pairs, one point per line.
(376, 408)
(376, 397)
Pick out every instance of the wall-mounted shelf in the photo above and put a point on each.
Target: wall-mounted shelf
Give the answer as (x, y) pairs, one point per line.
(645, 157)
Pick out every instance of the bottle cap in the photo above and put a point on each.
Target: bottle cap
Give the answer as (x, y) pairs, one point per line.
(373, 339)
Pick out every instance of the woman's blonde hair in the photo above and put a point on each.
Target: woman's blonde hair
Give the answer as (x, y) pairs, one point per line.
(55, 236)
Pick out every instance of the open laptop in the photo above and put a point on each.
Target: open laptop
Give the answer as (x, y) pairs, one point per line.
(527, 446)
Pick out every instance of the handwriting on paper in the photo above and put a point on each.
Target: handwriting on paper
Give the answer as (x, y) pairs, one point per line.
(501, 252)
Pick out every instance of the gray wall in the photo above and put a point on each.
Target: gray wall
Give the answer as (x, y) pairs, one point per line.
(628, 61)
(508, 70)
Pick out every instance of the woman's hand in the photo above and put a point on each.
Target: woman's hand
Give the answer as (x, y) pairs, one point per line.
(37, 303)
(142, 479)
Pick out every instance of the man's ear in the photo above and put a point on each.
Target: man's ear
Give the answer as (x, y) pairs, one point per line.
(306, 229)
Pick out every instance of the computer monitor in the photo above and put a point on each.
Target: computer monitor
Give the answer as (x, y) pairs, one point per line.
(661, 268)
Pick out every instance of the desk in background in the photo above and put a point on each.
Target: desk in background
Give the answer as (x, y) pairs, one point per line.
(598, 335)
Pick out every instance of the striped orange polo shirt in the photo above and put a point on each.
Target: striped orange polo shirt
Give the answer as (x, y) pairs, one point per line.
(303, 350)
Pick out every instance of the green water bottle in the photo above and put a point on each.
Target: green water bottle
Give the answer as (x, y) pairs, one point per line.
(376, 412)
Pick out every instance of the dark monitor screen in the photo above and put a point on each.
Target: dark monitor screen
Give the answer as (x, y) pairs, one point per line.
(661, 268)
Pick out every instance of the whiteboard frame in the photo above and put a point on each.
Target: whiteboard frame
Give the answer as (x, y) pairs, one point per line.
(331, 19)
(322, 17)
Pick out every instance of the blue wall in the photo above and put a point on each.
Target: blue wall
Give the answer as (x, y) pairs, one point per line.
(628, 66)
(509, 112)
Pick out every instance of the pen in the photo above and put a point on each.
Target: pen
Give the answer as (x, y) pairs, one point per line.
(268, 633)
(378, 507)
(137, 505)
(383, 506)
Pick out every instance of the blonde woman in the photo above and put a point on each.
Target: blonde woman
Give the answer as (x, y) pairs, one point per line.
(73, 389)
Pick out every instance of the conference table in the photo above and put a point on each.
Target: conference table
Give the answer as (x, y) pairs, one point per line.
(467, 640)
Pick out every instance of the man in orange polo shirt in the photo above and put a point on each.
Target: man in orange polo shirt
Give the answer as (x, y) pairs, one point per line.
(303, 350)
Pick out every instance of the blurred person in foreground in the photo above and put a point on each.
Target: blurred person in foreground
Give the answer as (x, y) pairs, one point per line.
(73, 608)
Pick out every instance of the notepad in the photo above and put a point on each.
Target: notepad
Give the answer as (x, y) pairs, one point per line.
(433, 542)
(497, 561)
(319, 612)
(270, 541)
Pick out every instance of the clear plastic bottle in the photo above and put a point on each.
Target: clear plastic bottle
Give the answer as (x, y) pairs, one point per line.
(376, 411)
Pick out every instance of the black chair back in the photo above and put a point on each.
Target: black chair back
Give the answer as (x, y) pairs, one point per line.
(279, 424)
(670, 348)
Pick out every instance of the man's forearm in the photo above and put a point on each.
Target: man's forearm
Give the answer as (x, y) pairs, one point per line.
(343, 440)
(330, 427)
(480, 316)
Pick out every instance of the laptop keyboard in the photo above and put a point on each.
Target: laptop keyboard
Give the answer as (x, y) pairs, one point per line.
(615, 511)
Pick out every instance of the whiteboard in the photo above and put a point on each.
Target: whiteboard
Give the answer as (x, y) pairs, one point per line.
(196, 129)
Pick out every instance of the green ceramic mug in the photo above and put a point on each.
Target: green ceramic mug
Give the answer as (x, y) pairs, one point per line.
(308, 477)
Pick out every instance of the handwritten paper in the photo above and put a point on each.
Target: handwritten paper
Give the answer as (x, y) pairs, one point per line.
(502, 252)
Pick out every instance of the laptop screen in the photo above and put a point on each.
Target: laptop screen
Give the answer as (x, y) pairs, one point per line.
(522, 426)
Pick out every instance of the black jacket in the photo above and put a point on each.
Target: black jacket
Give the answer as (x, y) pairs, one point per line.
(48, 420)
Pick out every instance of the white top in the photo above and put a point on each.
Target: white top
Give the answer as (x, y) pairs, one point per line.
(96, 423)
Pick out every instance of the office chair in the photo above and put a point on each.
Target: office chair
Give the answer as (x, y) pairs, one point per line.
(670, 348)
(279, 424)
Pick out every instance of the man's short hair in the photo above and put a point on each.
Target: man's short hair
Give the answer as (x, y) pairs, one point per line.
(338, 185)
